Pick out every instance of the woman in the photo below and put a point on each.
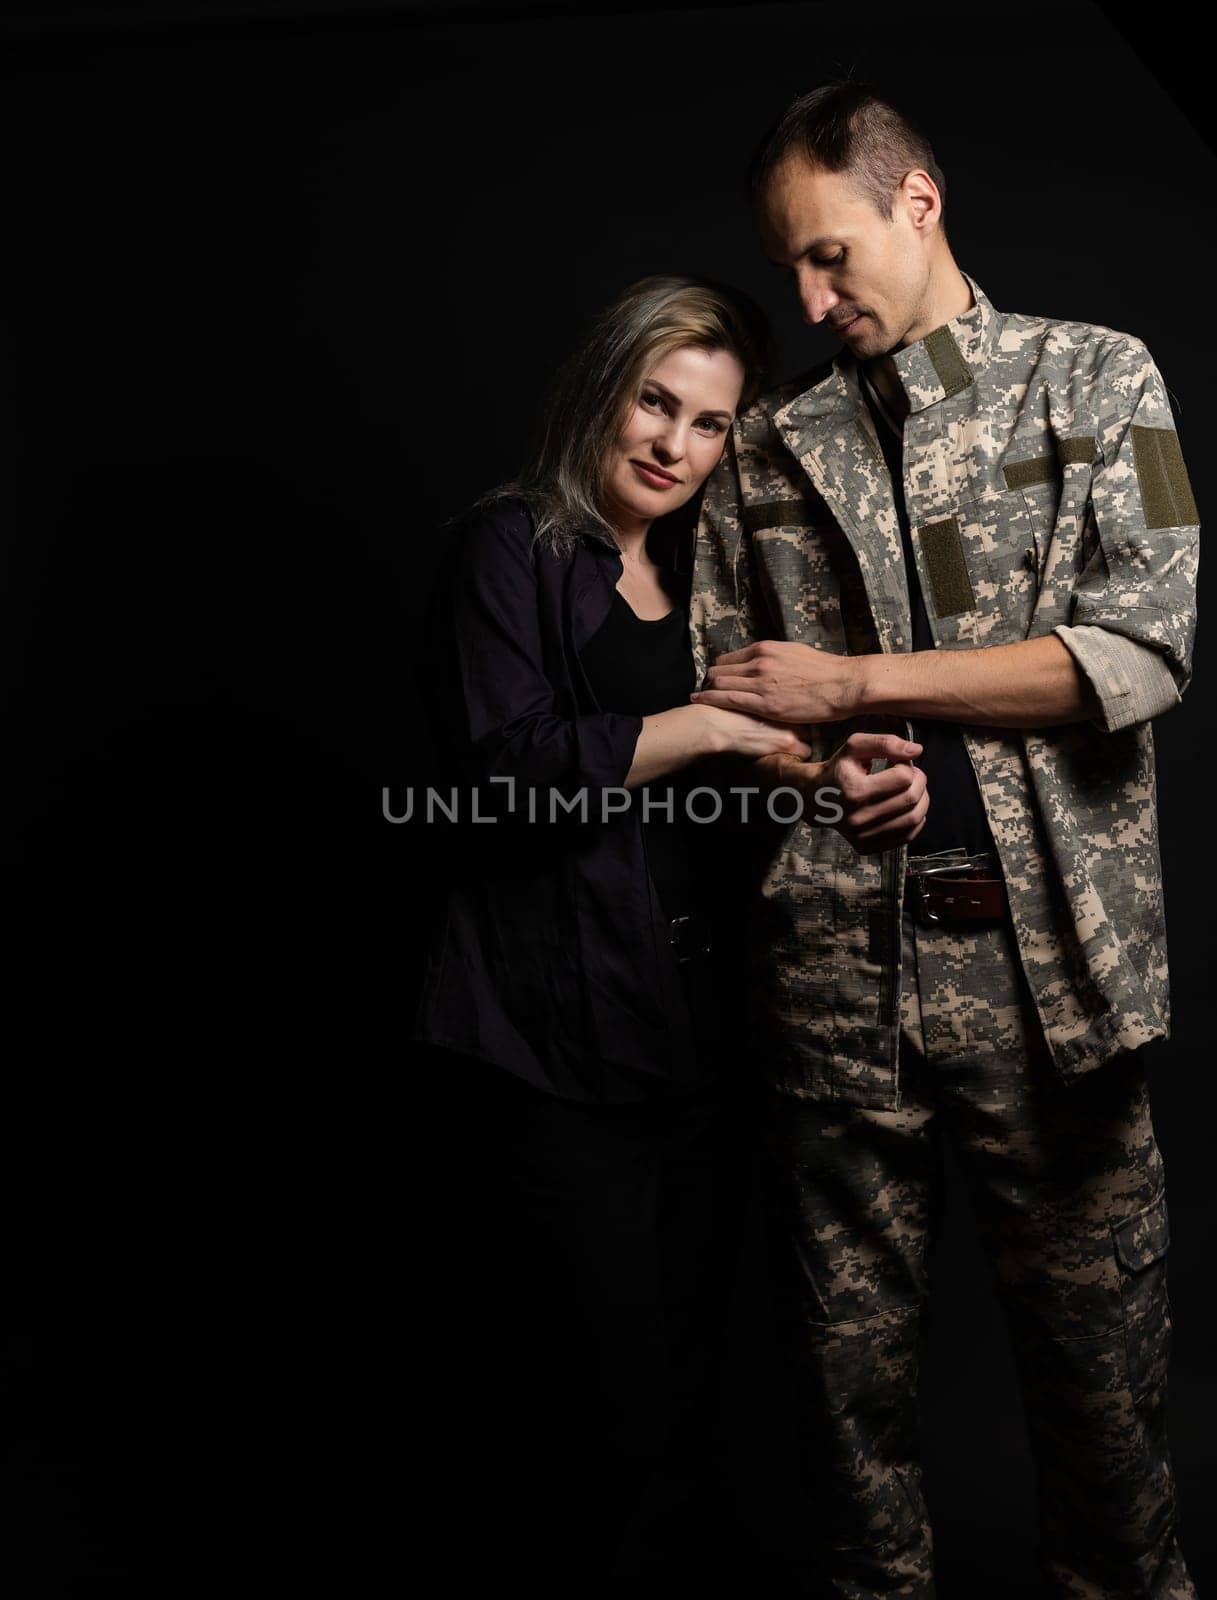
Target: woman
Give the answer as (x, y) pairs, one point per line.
(570, 996)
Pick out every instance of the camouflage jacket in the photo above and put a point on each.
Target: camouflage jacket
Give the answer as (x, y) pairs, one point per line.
(1046, 493)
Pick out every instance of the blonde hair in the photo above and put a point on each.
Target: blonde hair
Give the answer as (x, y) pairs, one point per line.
(562, 480)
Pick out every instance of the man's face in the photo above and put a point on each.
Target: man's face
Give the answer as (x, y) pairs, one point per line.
(865, 276)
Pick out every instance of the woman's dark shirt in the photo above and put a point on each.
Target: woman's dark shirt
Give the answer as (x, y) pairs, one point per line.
(644, 666)
(553, 954)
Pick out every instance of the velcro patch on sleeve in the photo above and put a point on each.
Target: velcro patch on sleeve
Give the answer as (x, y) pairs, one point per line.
(947, 567)
(1166, 493)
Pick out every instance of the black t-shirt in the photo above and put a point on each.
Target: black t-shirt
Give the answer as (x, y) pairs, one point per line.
(643, 667)
(957, 814)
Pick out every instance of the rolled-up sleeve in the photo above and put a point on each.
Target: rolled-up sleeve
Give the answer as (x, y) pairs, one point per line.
(1133, 683)
(1133, 614)
(505, 703)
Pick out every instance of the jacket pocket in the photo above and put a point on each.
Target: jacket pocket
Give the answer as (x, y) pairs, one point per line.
(1056, 492)
(979, 571)
(1141, 1245)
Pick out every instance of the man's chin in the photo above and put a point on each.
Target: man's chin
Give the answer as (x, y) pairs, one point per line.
(870, 343)
(865, 346)
(860, 334)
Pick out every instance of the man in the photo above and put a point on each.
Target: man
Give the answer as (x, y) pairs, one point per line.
(980, 524)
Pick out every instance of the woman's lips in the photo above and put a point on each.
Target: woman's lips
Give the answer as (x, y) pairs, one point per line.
(656, 478)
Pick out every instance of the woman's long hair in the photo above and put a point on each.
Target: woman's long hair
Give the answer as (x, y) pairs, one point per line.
(593, 393)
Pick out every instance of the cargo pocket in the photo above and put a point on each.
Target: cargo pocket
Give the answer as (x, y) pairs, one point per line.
(858, 1379)
(1141, 1244)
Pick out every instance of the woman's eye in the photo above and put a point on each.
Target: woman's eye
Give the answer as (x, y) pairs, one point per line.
(652, 400)
(712, 425)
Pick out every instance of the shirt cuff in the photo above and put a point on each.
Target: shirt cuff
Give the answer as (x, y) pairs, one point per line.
(1133, 682)
(606, 747)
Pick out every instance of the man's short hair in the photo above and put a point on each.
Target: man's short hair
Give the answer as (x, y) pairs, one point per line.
(847, 127)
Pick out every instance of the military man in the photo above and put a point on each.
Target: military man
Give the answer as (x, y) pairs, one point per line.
(973, 531)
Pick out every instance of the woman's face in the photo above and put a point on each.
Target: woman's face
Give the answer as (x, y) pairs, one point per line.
(674, 435)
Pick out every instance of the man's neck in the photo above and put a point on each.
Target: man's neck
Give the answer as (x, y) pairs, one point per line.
(883, 376)
(946, 301)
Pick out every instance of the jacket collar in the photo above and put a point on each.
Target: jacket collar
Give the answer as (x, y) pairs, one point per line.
(942, 363)
(947, 359)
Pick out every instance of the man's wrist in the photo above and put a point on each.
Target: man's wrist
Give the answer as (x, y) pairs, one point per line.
(873, 685)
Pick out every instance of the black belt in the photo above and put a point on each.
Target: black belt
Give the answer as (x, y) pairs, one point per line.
(951, 886)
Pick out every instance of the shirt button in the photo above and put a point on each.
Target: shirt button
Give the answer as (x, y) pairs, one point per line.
(1029, 558)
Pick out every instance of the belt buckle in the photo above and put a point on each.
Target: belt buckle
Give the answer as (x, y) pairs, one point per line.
(955, 862)
(685, 939)
(923, 900)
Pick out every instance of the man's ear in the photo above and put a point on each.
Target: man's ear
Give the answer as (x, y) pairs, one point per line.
(921, 196)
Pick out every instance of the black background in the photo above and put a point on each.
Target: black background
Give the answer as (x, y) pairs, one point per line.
(284, 283)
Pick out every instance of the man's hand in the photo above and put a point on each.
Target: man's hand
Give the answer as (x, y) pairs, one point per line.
(1036, 683)
(784, 682)
(881, 810)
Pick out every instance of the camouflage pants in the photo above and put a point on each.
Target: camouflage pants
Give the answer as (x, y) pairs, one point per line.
(1067, 1188)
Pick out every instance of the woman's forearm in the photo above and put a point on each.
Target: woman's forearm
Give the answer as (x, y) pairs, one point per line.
(671, 740)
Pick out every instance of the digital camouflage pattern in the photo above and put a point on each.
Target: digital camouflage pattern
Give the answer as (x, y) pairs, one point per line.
(1066, 1184)
(1046, 493)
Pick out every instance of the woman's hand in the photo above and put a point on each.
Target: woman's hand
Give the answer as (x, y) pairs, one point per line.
(673, 739)
(737, 733)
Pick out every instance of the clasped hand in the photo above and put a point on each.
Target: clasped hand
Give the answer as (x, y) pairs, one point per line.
(790, 683)
(879, 810)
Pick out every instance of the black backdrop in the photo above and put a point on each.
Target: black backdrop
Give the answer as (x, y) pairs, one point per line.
(284, 282)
